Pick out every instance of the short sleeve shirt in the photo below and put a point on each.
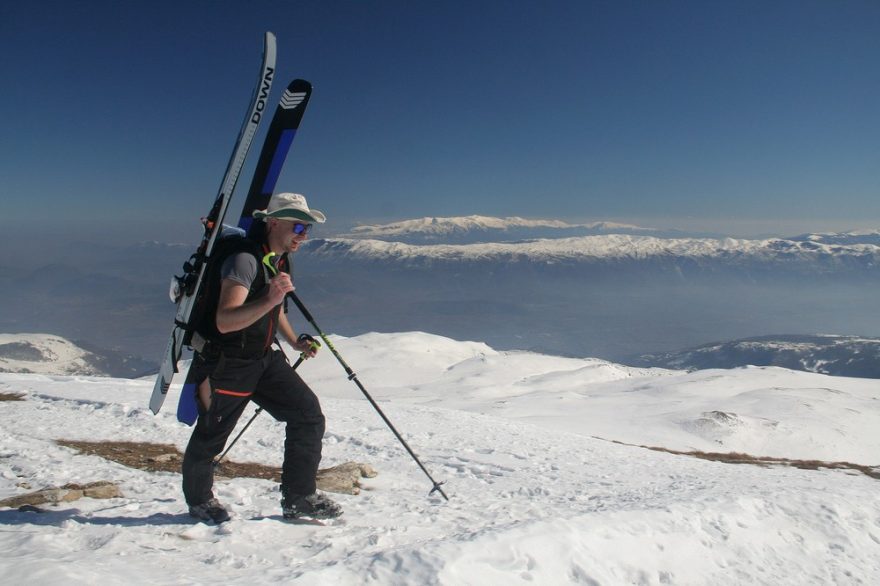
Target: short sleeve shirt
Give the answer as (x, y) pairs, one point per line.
(241, 268)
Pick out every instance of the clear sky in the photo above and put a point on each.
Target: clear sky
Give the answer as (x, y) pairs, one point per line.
(750, 116)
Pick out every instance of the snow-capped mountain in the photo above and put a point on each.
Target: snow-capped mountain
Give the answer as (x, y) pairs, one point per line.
(49, 354)
(836, 355)
(471, 229)
(682, 253)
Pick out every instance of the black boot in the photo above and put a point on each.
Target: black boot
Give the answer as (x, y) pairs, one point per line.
(211, 510)
(313, 506)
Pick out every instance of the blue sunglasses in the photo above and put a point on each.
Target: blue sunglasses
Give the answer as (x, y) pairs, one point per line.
(299, 228)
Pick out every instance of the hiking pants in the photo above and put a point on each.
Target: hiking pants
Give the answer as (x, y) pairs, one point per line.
(273, 385)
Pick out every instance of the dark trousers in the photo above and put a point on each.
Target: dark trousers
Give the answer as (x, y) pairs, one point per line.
(273, 385)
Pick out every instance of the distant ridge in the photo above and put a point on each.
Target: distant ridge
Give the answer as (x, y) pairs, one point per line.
(610, 247)
(475, 228)
(842, 238)
(853, 356)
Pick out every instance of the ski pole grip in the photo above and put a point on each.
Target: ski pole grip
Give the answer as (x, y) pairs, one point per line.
(313, 344)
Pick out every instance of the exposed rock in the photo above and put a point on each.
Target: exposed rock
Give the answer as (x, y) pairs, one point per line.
(65, 494)
(344, 478)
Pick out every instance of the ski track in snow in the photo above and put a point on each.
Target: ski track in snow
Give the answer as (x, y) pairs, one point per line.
(532, 499)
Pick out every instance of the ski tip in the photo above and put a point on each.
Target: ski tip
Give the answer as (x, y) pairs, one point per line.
(299, 87)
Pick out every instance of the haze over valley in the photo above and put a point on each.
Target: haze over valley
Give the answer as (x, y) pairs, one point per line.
(599, 290)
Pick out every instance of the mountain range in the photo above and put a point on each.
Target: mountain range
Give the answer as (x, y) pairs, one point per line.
(774, 254)
(475, 229)
(611, 295)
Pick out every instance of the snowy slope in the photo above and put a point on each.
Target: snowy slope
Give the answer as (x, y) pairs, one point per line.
(536, 496)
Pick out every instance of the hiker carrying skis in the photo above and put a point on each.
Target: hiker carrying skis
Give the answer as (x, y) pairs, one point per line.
(239, 365)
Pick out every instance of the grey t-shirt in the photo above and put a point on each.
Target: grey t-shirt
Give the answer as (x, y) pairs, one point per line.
(241, 268)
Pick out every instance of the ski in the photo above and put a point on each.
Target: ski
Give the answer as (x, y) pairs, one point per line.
(279, 138)
(185, 289)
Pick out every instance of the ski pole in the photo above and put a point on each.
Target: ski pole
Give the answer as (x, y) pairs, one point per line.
(260, 409)
(353, 377)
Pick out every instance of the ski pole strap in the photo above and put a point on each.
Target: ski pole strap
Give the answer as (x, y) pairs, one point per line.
(308, 338)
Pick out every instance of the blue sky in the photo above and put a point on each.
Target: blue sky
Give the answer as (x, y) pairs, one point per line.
(745, 117)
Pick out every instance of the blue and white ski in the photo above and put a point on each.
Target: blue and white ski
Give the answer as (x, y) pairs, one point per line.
(185, 289)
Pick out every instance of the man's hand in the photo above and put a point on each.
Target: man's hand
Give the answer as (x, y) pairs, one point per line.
(306, 345)
(279, 286)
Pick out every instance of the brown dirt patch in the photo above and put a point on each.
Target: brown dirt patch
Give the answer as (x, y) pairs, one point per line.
(164, 458)
(11, 397)
(739, 458)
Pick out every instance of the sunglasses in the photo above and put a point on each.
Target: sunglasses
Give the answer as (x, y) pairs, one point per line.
(300, 228)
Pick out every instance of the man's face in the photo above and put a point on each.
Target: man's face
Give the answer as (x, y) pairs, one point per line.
(291, 233)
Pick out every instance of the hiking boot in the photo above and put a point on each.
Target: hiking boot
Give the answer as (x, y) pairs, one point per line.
(211, 510)
(313, 506)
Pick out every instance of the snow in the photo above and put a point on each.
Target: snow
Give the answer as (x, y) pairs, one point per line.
(540, 489)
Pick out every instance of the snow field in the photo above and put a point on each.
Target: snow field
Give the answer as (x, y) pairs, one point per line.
(534, 497)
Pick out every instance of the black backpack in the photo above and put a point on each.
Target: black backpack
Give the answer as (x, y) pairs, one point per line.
(202, 319)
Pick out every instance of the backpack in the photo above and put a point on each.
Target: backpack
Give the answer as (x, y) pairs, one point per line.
(202, 326)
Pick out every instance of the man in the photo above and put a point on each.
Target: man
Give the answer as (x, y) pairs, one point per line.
(239, 365)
